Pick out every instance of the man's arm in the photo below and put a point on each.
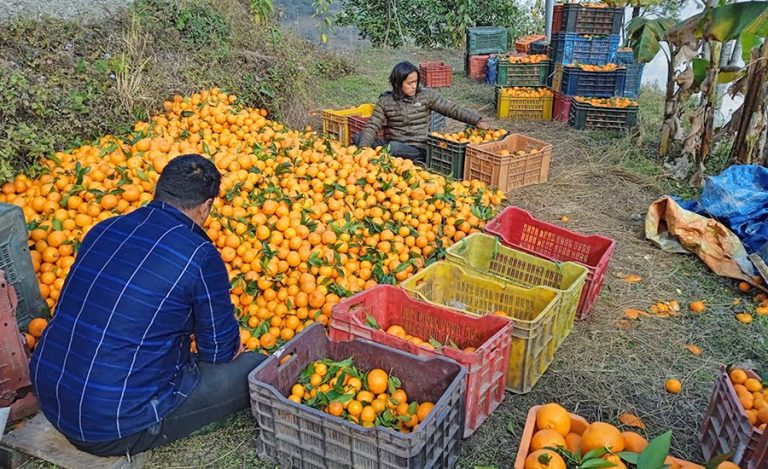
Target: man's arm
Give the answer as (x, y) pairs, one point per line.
(217, 334)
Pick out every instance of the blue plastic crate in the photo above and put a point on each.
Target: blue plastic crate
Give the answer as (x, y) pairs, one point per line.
(633, 80)
(568, 48)
(578, 82)
(625, 57)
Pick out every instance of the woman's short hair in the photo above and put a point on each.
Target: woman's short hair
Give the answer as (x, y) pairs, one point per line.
(398, 76)
(187, 181)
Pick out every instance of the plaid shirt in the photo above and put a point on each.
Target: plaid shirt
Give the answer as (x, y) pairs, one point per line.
(115, 358)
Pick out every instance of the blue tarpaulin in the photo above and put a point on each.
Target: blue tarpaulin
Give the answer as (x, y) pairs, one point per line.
(737, 197)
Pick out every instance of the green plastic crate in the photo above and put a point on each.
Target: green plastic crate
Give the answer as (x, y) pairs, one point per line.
(523, 74)
(486, 255)
(585, 116)
(486, 40)
(446, 157)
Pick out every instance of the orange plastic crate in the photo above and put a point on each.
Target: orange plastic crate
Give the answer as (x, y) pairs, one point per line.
(523, 44)
(485, 163)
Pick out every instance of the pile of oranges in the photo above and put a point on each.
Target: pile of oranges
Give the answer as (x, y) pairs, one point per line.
(526, 59)
(472, 135)
(300, 222)
(615, 102)
(753, 396)
(368, 399)
(524, 92)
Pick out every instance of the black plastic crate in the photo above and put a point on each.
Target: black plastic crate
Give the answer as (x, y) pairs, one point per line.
(585, 116)
(522, 74)
(298, 436)
(436, 121)
(578, 82)
(486, 40)
(16, 262)
(539, 47)
(574, 18)
(569, 48)
(446, 157)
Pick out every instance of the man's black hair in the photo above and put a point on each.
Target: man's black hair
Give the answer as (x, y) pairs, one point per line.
(187, 181)
(398, 76)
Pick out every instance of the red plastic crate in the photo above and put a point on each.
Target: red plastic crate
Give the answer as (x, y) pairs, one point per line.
(519, 229)
(298, 436)
(15, 384)
(490, 335)
(561, 109)
(435, 74)
(358, 123)
(476, 66)
(726, 428)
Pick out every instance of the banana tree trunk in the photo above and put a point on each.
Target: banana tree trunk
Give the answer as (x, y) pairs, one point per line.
(669, 125)
(709, 97)
(752, 126)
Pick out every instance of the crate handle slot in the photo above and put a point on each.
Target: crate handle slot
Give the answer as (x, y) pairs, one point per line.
(286, 359)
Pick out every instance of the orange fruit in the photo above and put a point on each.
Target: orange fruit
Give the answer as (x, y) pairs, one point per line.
(753, 385)
(691, 465)
(368, 414)
(600, 435)
(738, 376)
(29, 339)
(572, 442)
(762, 415)
(423, 410)
(354, 408)
(616, 460)
(36, 327)
(400, 396)
(377, 381)
(298, 390)
(544, 459)
(553, 416)
(547, 438)
(335, 408)
(673, 386)
(697, 306)
(634, 442)
(396, 331)
(744, 287)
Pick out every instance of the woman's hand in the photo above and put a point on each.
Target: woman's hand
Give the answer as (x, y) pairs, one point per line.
(482, 124)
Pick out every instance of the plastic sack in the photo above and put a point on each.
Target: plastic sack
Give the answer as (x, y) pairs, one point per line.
(675, 229)
(738, 197)
(491, 69)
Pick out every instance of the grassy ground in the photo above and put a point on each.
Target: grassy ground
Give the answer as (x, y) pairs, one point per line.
(604, 185)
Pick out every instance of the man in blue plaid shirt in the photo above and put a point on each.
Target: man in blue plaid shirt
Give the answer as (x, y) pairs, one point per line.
(113, 371)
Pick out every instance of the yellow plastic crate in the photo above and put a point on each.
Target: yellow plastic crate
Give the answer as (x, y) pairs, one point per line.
(519, 108)
(484, 254)
(336, 121)
(532, 310)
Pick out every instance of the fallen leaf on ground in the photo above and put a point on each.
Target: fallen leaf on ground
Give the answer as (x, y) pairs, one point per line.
(632, 278)
(632, 313)
(623, 324)
(694, 349)
(631, 420)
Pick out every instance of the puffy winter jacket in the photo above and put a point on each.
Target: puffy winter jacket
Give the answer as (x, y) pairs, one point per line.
(407, 119)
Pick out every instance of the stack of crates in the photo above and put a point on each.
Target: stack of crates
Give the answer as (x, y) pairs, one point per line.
(482, 42)
(587, 35)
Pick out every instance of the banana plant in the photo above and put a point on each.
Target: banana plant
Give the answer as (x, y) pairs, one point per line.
(690, 71)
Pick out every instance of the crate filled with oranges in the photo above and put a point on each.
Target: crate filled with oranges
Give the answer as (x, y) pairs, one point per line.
(526, 70)
(554, 438)
(513, 162)
(445, 151)
(388, 315)
(611, 114)
(737, 418)
(361, 404)
(524, 103)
